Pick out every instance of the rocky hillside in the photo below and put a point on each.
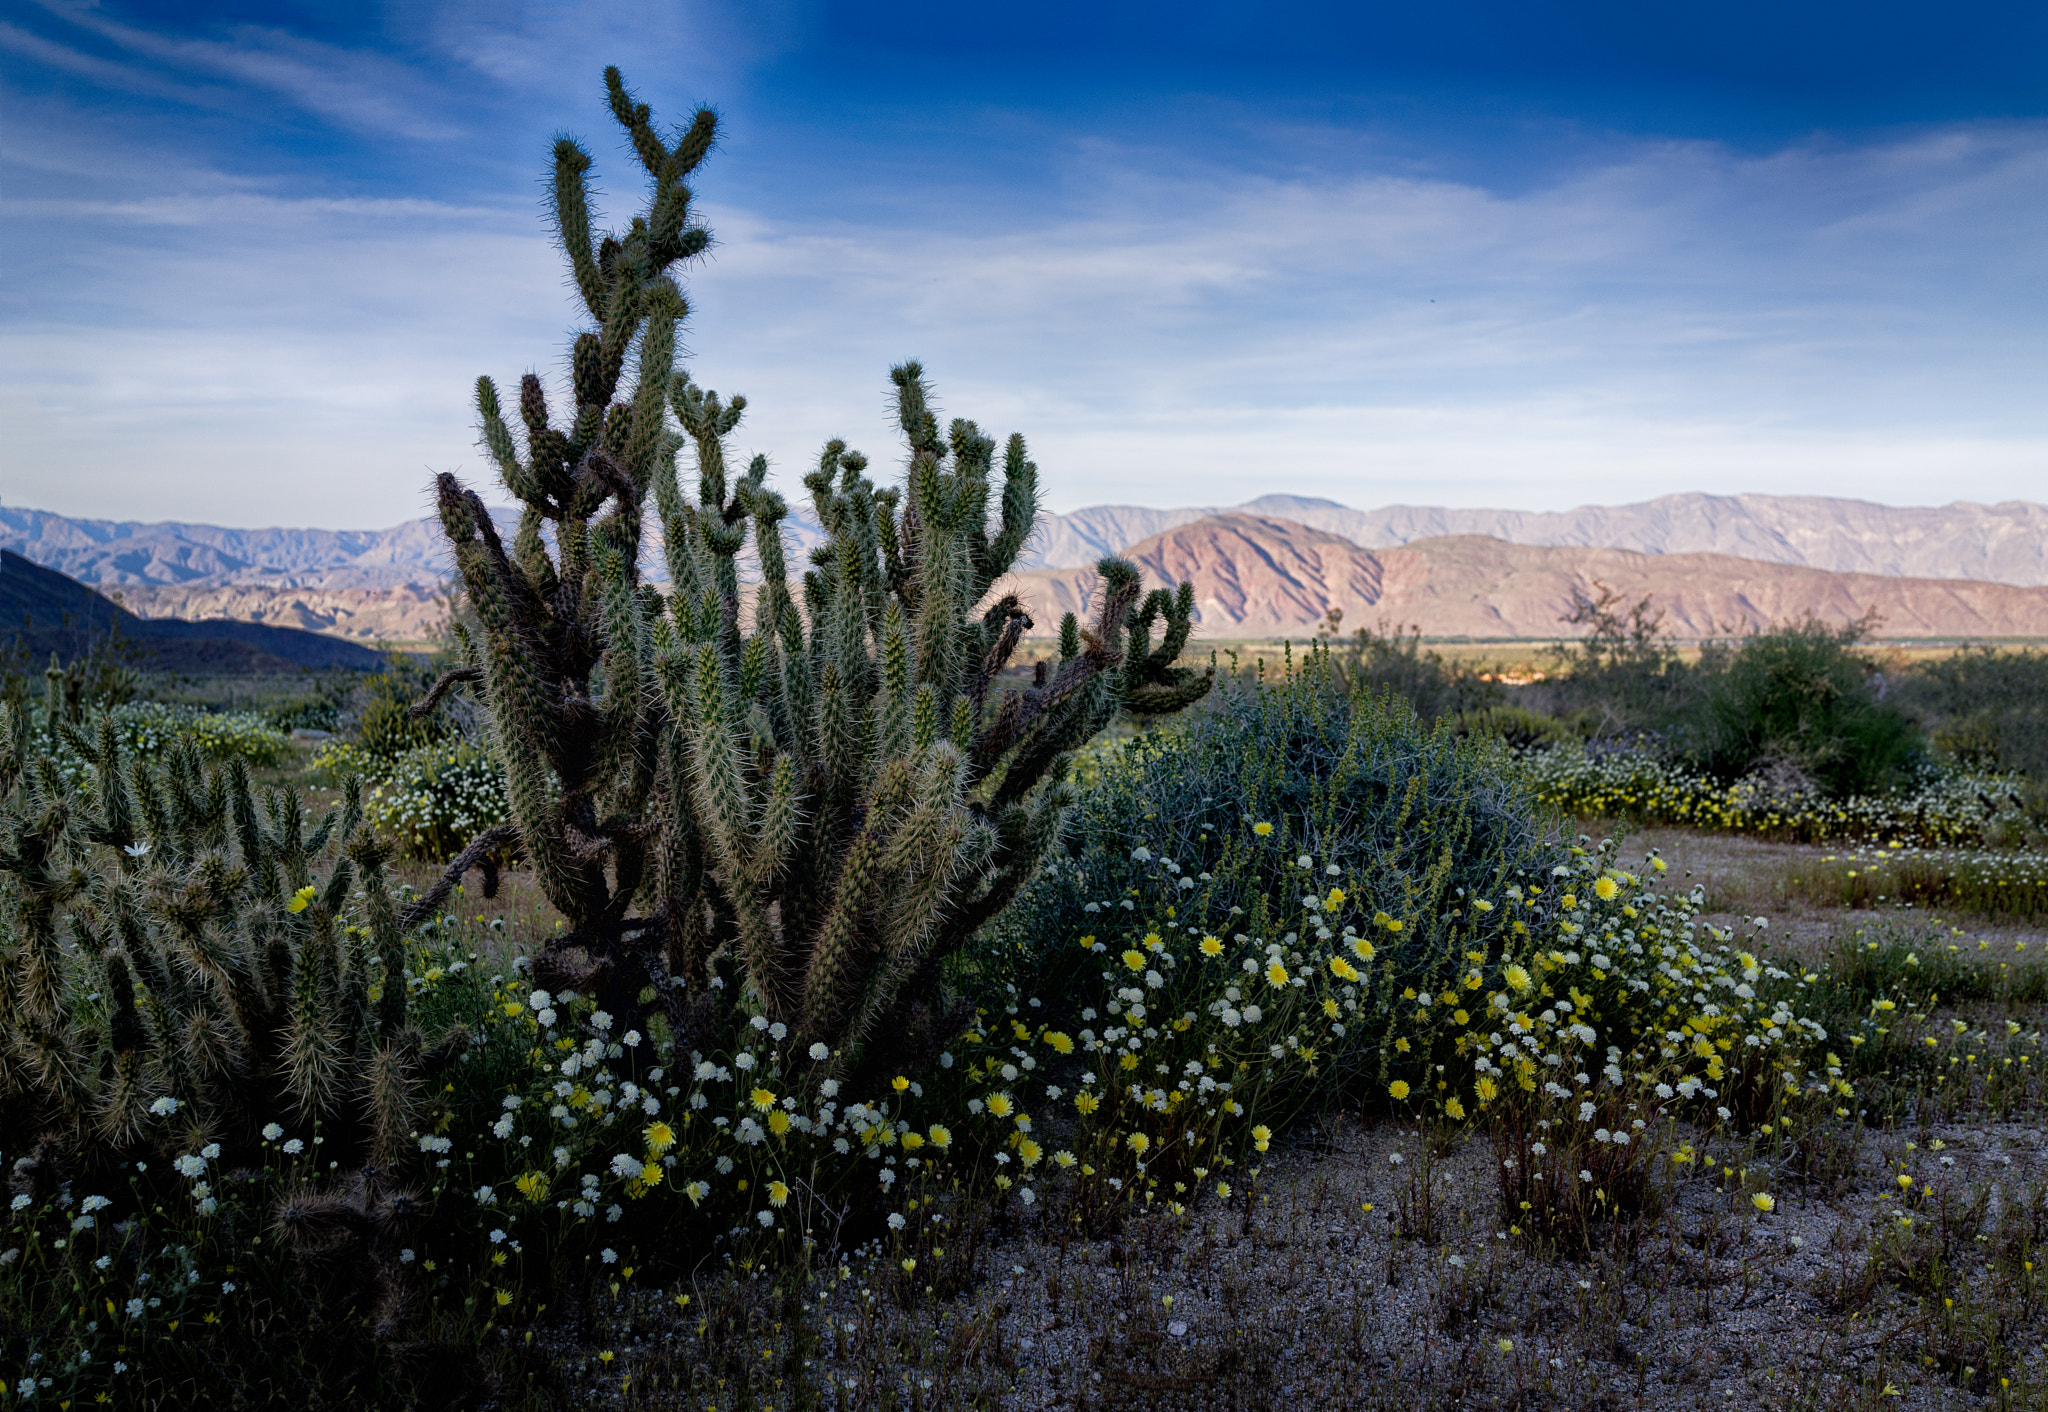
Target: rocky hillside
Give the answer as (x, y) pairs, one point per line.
(1257, 576)
(2003, 543)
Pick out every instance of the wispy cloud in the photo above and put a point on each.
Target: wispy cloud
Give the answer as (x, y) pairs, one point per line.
(360, 90)
(1167, 323)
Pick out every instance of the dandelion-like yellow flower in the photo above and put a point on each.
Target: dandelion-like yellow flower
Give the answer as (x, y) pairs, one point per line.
(1086, 1102)
(1659, 864)
(909, 1265)
(1087, 942)
(1462, 1017)
(899, 1083)
(1764, 1201)
(1212, 946)
(1343, 970)
(1028, 1152)
(1064, 1158)
(1152, 942)
(1456, 1109)
(1399, 1088)
(301, 900)
(1135, 960)
(533, 1185)
(504, 1297)
(1061, 1043)
(1334, 900)
(778, 1194)
(1262, 829)
(1000, 1105)
(762, 1100)
(940, 1136)
(1481, 905)
(1139, 1143)
(660, 1138)
(1605, 889)
(1262, 1133)
(651, 1174)
(1363, 949)
(1331, 1010)
(1516, 977)
(1276, 974)
(778, 1123)
(1486, 1088)
(1905, 1182)
(1395, 924)
(912, 1141)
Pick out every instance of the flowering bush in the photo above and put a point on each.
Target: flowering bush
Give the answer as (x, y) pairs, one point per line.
(148, 728)
(1957, 807)
(428, 801)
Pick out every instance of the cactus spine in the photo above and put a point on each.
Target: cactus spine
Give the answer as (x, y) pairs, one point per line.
(819, 803)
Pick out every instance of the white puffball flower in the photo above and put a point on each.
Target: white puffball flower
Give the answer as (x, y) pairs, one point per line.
(819, 1052)
(540, 1000)
(272, 1132)
(743, 1061)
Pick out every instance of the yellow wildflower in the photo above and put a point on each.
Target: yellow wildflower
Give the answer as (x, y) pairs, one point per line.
(1605, 888)
(1061, 1043)
(660, 1138)
(1343, 970)
(1000, 1105)
(762, 1100)
(1262, 829)
(1399, 1088)
(1135, 960)
(941, 1136)
(1212, 946)
(1276, 974)
(1139, 1143)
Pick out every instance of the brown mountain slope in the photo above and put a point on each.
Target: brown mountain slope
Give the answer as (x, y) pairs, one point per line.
(1256, 577)
(410, 613)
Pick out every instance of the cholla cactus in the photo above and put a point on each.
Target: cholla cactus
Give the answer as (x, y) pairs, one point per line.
(816, 804)
(175, 972)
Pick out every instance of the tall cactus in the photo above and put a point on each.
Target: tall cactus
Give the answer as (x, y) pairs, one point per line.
(812, 806)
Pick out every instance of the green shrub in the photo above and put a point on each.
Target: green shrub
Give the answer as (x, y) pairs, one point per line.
(148, 729)
(1415, 819)
(1517, 727)
(1986, 707)
(1952, 808)
(1800, 697)
(1394, 662)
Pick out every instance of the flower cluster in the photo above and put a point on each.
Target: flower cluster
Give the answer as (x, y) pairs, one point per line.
(1577, 996)
(1957, 808)
(427, 801)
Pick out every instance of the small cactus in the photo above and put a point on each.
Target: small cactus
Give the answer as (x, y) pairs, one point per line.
(175, 969)
(807, 807)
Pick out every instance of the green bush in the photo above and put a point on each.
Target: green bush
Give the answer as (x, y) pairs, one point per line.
(1416, 818)
(1394, 662)
(148, 729)
(1985, 707)
(1801, 697)
(1950, 808)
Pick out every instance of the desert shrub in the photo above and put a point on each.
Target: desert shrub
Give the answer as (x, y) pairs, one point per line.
(1517, 727)
(376, 714)
(1414, 819)
(1987, 710)
(1801, 698)
(1391, 661)
(149, 729)
(1949, 808)
(427, 801)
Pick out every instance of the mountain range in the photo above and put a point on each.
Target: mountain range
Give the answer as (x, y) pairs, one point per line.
(1273, 565)
(1256, 576)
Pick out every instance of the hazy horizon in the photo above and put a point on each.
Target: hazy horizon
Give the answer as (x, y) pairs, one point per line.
(1481, 257)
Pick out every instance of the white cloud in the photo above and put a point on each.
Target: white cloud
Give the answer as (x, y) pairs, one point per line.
(1828, 318)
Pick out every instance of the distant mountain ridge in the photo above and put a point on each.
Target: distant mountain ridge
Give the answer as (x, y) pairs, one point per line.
(2002, 543)
(43, 611)
(1256, 576)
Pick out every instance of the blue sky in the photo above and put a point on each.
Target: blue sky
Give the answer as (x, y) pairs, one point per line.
(1479, 253)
